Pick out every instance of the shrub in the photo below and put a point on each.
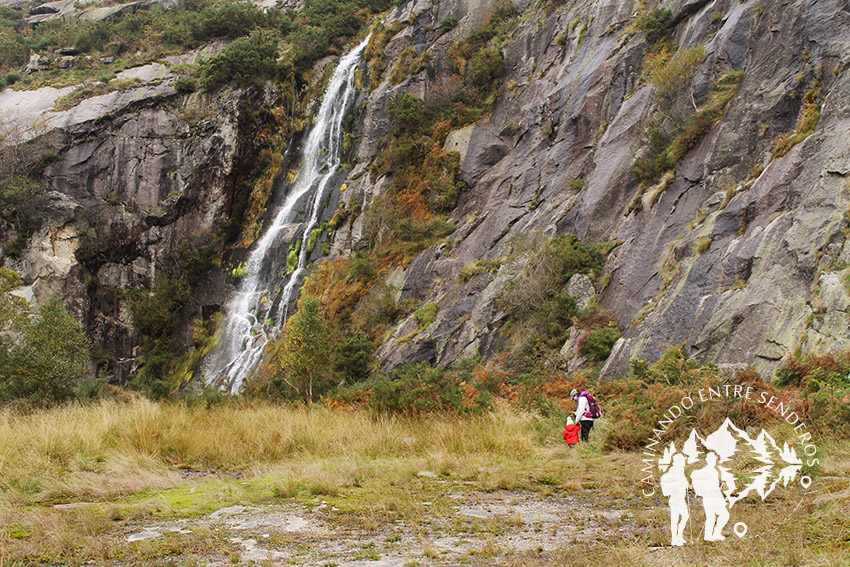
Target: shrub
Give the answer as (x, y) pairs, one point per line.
(361, 268)
(701, 122)
(597, 345)
(49, 361)
(21, 199)
(477, 61)
(13, 47)
(407, 112)
(654, 24)
(540, 311)
(636, 403)
(13, 309)
(672, 74)
(548, 270)
(155, 312)
(186, 85)
(448, 24)
(427, 315)
(408, 64)
(813, 372)
(808, 121)
(418, 387)
(479, 266)
(581, 35)
(245, 62)
(354, 358)
(484, 67)
(664, 150)
(424, 175)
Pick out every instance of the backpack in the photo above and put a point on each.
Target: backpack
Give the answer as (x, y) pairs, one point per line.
(593, 410)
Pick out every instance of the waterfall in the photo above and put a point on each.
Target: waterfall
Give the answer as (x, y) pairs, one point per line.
(258, 309)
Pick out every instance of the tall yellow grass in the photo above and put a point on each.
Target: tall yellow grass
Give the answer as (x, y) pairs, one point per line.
(110, 448)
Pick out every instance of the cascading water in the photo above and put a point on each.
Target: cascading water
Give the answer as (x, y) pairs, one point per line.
(258, 309)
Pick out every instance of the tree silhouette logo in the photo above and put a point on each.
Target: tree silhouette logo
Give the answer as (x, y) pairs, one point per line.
(703, 464)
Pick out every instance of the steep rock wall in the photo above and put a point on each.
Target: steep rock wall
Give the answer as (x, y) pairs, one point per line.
(572, 106)
(741, 268)
(134, 177)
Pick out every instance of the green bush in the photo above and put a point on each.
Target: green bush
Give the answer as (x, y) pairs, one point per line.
(186, 85)
(814, 372)
(21, 199)
(354, 358)
(448, 24)
(665, 150)
(13, 46)
(361, 268)
(636, 403)
(155, 312)
(654, 24)
(418, 387)
(814, 385)
(484, 67)
(245, 62)
(407, 112)
(548, 270)
(48, 362)
(317, 29)
(597, 345)
(426, 315)
(477, 59)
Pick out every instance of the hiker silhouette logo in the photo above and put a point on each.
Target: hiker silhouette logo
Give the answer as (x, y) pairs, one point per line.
(737, 480)
(701, 466)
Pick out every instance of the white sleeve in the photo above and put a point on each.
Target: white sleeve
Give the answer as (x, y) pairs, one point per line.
(582, 407)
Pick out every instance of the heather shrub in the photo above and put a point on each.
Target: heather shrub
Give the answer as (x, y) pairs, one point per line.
(635, 404)
(418, 387)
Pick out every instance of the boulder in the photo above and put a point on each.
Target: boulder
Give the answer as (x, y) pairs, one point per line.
(37, 63)
(581, 287)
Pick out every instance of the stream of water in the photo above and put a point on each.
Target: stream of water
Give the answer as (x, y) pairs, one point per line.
(258, 309)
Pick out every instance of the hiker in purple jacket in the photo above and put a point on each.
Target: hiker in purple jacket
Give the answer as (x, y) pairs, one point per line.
(584, 412)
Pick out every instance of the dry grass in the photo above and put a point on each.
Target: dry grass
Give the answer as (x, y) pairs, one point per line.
(110, 449)
(376, 471)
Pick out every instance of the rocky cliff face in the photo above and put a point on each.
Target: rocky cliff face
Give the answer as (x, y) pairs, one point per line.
(738, 254)
(133, 177)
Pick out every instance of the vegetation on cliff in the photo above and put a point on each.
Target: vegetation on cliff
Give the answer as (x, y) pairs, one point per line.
(319, 28)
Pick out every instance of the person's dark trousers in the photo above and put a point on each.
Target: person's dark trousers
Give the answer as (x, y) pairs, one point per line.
(586, 426)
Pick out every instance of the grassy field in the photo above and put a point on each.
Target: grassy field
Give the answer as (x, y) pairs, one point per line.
(140, 483)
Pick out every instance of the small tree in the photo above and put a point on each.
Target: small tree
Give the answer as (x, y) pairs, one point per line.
(354, 358)
(49, 360)
(305, 363)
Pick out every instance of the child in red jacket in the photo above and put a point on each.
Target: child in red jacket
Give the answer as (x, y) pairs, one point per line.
(571, 432)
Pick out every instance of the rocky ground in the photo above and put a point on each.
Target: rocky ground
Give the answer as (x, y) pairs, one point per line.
(467, 526)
